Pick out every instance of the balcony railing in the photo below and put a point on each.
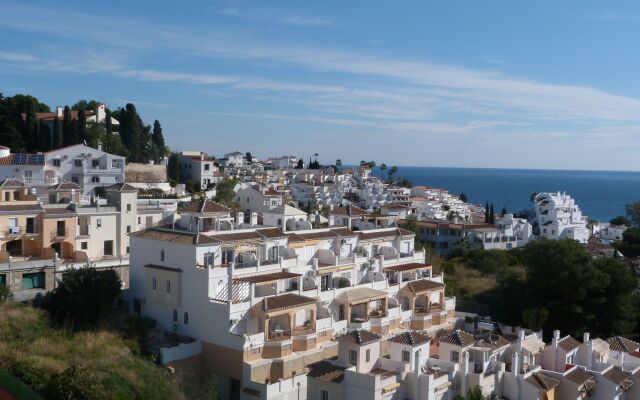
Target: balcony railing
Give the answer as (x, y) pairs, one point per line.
(60, 233)
(21, 230)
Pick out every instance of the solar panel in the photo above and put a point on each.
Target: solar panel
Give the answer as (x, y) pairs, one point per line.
(20, 158)
(37, 159)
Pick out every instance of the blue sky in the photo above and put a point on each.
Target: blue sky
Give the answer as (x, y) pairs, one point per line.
(457, 83)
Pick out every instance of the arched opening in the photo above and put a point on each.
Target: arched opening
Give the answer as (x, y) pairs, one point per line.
(64, 249)
(14, 248)
(186, 318)
(175, 315)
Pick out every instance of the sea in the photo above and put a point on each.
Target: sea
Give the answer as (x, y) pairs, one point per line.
(601, 195)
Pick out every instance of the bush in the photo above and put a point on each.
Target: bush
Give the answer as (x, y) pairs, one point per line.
(84, 298)
(343, 282)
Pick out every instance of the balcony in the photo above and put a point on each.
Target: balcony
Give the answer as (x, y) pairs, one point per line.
(15, 231)
(60, 234)
(83, 230)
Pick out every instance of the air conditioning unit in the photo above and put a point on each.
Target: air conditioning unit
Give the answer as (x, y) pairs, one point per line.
(14, 230)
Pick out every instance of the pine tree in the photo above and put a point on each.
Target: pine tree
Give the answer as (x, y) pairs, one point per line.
(57, 134)
(67, 128)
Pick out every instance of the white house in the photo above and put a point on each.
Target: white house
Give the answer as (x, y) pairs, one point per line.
(559, 217)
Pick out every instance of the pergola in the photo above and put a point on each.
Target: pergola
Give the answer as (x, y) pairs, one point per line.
(279, 315)
(360, 304)
(419, 294)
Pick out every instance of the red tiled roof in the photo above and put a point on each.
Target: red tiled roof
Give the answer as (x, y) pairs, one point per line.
(411, 338)
(407, 267)
(326, 371)
(542, 381)
(350, 211)
(272, 233)
(288, 300)
(11, 184)
(344, 232)
(271, 192)
(569, 343)
(122, 187)
(492, 341)
(423, 285)
(624, 345)
(234, 236)
(65, 186)
(360, 336)
(619, 377)
(174, 236)
(31, 208)
(274, 276)
(458, 338)
(581, 377)
(206, 206)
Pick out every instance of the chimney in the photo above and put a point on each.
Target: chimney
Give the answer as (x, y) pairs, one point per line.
(99, 146)
(239, 218)
(416, 371)
(59, 112)
(586, 337)
(556, 338)
(521, 337)
(254, 219)
(515, 364)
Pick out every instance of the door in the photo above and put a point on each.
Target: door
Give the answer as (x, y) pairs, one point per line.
(60, 229)
(31, 225)
(149, 222)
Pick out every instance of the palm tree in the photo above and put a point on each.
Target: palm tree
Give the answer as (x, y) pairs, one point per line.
(383, 167)
(315, 155)
(338, 165)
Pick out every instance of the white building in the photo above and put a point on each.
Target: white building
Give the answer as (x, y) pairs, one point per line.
(198, 168)
(86, 166)
(559, 217)
(269, 303)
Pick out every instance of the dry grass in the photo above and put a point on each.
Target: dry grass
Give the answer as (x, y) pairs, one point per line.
(33, 351)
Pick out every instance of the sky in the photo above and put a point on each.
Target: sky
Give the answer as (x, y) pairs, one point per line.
(496, 84)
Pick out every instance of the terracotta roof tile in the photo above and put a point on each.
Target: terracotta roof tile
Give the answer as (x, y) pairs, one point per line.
(266, 277)
(65, 186)
(492, 341)
(359, 336)
(11, 184)
(423, 285)
(412, 338)
(57, 211)
(350, 211)
(624, 345)
(206, 206)
(579, 376)
(326, 371)
(287, 300)
(542, 381)
(272, 233)
(236, 236)
(458, 338)
(175, 236)
(569, 343)
(316, 235)
(619, 377)
(344, 232)
(122, 187)
(31, 208)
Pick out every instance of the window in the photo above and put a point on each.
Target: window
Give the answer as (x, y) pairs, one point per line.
(95, 179)
(153, 284)
(3, 279)
(324, 395)
(139, 220)
(108, 247)
(75, 179)
(186, 318)
(95, 163)
(168, 288)
(353, 357)
(33, 280)
(99, 222)
(455, 356)
(56, 162)
(161, 255)
(207, 167)
(406, 356)
(84, 245)
(7, 196)
(127, 249)
(77, 163)
(128, 228)
(368, 355)
(129, 207)
(116, 163)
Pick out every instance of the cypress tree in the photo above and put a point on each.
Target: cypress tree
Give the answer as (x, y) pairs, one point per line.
(492, 216)
(30, 127)
(67, 127)
(486, 212)
(504, 211)
(44, 137)
(108, 127)
(57, 134)
(157, 140)
(81, 126)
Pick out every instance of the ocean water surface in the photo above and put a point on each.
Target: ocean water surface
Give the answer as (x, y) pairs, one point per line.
(601, 195)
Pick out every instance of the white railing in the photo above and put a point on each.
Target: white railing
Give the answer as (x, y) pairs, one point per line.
(450, 303)
(323, 323)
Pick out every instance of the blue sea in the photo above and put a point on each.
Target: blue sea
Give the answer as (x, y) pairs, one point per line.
(601, 195)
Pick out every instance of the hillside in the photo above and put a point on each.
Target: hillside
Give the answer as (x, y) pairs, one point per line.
(93, 365)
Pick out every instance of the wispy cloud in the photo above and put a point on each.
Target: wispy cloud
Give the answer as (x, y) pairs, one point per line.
(277, 17)
(16, 57)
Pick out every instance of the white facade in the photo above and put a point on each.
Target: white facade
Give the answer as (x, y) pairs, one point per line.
(559, 217)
